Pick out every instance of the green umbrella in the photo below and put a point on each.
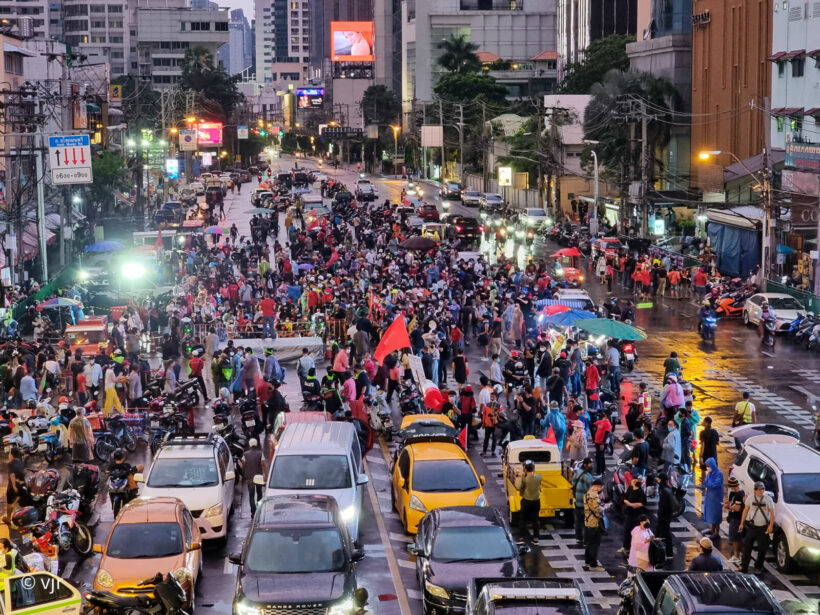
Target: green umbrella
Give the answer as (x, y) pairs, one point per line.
(610, 328)
(259, 210)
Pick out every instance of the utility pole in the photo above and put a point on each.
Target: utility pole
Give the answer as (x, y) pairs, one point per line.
(424, 149)
(484, 146)
(766, 243)
(644, 172)
(41, 203)
(441, 121)
(539, 142)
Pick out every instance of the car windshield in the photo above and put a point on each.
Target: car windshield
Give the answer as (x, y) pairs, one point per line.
(784, 303)
(536, 213)
(145, 540)
(444, 475)
(553, 607)
(471, 543)
(472, 193)
(295, 551)
(310, 472)
(169, 472)
(801, 488)
(453, 186)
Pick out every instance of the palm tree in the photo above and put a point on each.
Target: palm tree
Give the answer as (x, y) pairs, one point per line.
(458, 55)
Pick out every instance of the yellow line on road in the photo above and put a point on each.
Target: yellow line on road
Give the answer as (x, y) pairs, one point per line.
(392, 563)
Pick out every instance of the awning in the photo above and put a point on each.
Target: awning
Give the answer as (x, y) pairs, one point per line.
(812, 111)
(813, 53)
(775, 57)
(787, 111)
(793, 55)
(94, 108)
(9, 48)
(31, 244)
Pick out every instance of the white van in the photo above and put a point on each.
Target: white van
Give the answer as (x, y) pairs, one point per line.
(320, 458)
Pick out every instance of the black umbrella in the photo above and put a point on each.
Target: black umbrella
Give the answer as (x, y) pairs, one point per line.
(418, 243)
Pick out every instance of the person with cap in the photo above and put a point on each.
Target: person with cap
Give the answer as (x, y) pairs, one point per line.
(195, 367)
(733, 504)
(529, 487)
(705, 561)
(745, 412)
(757, 525)
(489, 419)
(253, 464)
(593, 525)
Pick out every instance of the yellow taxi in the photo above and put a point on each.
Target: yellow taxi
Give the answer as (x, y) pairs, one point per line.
(431, 472)
(409, 419)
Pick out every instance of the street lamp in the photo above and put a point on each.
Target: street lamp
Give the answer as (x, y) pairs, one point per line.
(764, 184)
(76, 199)
(396, 128)
(593, 216)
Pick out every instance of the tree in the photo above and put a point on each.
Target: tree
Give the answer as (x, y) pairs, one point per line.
(380, 106)
(459, 55)
(110, 176)
(472, 87)
(140, 104)
(601, 56)
(217, 89)
(614, 149)
(524, 150)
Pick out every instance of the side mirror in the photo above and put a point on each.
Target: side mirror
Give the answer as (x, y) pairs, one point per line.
(195, 546)
(357, 555)
(235, 558)
(139, 478)
(259, 480)
(97, 548)
(402, 482)
(230, 475)
(362, 479)
(481, 479)
(523, 550)
(414, 549)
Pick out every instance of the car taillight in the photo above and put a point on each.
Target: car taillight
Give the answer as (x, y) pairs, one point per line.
(628, 347)
(459, 228)
(481, 228)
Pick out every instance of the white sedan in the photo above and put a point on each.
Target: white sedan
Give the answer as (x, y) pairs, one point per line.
(534, 217)
(785, 309)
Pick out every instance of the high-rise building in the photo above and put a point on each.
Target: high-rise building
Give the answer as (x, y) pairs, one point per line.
(103, 31)
(582, 21)
(33, 18)
(282, 41)
(237, 55)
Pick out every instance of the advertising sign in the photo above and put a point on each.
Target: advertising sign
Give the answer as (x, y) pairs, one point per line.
(352, 41)
(207, 159)
(505, 176)
(115, 93)
(803, 155)
(172, 168)
(187, 140)
(209, 134)
(241, 132)
(310, 98)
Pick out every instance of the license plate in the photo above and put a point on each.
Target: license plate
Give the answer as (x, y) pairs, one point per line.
(42, 447)
(250, 423)
(154, 423)
(630, 357)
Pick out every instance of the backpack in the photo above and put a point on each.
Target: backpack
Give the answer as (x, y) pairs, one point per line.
(20, 564)
(657, 552)
(680, 499)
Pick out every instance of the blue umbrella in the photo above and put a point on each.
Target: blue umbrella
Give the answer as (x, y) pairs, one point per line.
(104, 246)
(784, 249)
(565, 319)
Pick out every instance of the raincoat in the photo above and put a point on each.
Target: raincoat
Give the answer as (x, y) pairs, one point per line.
(713, 498)
(555, 419)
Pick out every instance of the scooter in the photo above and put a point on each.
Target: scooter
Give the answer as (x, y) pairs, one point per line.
(117, 435)
(707, 327)
(167, 598)
(61, 527)
(769, 329)
(85, 478)
(379, 414)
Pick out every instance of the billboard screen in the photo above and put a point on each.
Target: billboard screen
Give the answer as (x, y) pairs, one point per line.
(352, 41)
(209, 134)
(309, 98)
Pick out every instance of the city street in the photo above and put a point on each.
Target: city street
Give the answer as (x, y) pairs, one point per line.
(783, 384)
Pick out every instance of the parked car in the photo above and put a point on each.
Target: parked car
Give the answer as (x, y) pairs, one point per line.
(450, 191)
(502, 596)
(785, 309)
(471, 198)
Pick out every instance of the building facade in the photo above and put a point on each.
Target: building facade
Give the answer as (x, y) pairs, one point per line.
(731, 77)
(32, 19)
(580, 22)
(283, 40)
(237, 55)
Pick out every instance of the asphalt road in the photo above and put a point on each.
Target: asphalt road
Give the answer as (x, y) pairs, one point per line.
(783, 386)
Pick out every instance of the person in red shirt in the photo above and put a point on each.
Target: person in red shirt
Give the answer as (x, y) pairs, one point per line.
(700, 283)
(195, 366)
(603, 433)
(593, 378)
(268, 307)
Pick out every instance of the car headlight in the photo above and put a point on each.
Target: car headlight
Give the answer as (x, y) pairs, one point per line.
(341, 608)
(519, 234)
(807, 531)
(436, 590)
(213, 511)
(246, 608)
(417, 504)
(481, 500)
(104, 579)
(580, 278)
(483, 215)
(182, 575)
(503, 231)
(349, 513)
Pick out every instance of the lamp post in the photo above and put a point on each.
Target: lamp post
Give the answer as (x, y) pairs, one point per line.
(593, 215)
(764, 182)
(395, 147)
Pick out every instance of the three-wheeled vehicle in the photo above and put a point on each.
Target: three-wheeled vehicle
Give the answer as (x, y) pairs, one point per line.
(38, 592)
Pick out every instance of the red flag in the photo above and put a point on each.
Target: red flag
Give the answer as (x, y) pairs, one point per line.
(158, 242)
(462, 438)
(394, 338)
(333, 258)
(550, 439)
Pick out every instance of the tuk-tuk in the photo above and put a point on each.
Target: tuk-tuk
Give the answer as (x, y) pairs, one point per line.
(557, 498)
(38, 592)
(433, 230)
(88, 334)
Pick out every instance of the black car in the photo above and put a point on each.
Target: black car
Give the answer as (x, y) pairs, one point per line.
(301, 179)
(284, 179)
(343, 196)
(457, 543)
(297, 558)
(462, 227)
(451, 191)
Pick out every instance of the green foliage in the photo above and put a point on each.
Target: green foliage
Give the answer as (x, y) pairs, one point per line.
(140, 104)
(380, 106)
(600, 57)
(219, 95)
(524, 150)
(458, 55)
(472, 87)
(110, 176)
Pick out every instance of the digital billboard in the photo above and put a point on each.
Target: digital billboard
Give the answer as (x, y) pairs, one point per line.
(209, 134)
(309, 98)
(352, 41)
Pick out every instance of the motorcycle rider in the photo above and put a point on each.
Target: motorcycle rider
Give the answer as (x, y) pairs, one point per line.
(765, 314)
(514, 373)
(121, 471)
(705, 312)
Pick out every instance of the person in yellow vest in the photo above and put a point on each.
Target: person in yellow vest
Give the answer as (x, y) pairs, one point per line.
(745, 413)
(8, 558)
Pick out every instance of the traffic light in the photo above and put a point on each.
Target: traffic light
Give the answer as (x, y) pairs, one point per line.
(263, 133)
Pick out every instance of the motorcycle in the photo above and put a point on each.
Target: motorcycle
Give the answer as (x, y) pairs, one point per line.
(236, 443)
(769, 327)
(707, 328)
(118, 487)
(38, 485)
(410, 400)
(115, 434)
(85, 478)
(312, 401)
(53, 442)
(251, 425)
(379, 414)
(61, 527)
(167, 598)
(730, 305)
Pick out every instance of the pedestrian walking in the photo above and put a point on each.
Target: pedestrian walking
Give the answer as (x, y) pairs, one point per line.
(745, 412)
(667, 505)
(529, 487)
(489, 419)
(709, 439)
(581, 482)
(733, 504)
(640, 538)
(757, 525)
(253, 464)
(593, 525)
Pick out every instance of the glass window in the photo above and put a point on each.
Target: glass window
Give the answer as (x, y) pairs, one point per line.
(404, 464)
(188, 526)
(471, 543)
(801, 488)
(297, 550)
(797, 67)
(145, 540)
(45, 589)
(310, 472)
(444, 476)
(781, 69)
(184, 473)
